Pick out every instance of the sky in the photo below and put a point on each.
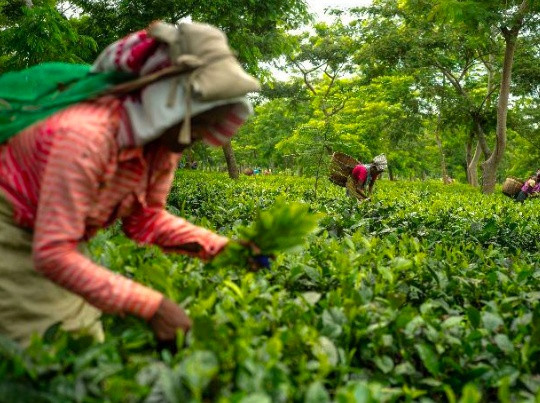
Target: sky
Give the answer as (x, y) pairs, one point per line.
(318, 6)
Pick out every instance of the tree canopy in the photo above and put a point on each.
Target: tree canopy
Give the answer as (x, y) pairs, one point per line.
(444, 88)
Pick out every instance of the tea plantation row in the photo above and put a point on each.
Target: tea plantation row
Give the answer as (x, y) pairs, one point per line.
(429, 293)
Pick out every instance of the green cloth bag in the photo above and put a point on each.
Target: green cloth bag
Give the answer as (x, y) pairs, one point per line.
(33, 94)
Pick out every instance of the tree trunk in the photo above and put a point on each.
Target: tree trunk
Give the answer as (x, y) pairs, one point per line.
(472, 165)
(444, 172)
(321, 156)
(391, 173)
(231, 161)
(481, 144)
(490, 166)
(468, 157)
(481, 136)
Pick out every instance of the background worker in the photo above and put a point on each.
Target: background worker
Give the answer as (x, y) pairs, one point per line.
(531, 188)
(113, 157)
(366, 174)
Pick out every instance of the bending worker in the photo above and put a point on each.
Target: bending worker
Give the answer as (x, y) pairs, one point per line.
(531, 188)
(113, 157)
(365, 176)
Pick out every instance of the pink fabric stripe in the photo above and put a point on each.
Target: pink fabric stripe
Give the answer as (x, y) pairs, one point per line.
(67, 176)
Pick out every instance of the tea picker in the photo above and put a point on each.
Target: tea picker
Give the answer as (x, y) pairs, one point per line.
(82, 146)
(530, 188)
(520, 190)
(357, 178)
(365, 175)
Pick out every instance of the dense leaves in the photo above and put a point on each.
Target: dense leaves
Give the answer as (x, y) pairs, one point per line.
(32, 35)
(428, 293)
(419, 80)
(281, 228)
(416, 79)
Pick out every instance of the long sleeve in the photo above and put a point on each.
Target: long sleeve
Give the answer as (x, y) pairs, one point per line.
(150, 223)
(69, 186)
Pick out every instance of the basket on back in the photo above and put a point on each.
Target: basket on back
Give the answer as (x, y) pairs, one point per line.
(341, 168)
(512, 186)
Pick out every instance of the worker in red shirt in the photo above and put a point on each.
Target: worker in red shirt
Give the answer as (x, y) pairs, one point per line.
(365, 175)
(109, 158)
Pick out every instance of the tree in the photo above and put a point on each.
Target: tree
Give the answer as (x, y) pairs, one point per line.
(231, 161)
(459, 39)
(399, 37)
(322, 59)
(256, 30)
(274, 121)
(30, 35)
(510, 18)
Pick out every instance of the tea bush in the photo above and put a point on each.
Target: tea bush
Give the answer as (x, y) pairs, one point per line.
(429, 293)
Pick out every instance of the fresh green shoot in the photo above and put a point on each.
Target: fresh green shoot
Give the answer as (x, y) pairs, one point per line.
(282, 228)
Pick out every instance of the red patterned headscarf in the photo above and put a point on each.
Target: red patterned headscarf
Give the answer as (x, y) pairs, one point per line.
(147, 113)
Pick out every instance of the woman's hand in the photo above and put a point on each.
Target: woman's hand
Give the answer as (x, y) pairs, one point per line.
(256, 260)
(362, 192)
(168, 319)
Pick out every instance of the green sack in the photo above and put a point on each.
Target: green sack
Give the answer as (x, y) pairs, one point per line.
(31, 95)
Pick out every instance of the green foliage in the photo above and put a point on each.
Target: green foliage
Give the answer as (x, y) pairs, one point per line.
(428, 293)
(77, 30)
(370, 81)
(399, 75)
(255, 143)
(281, 228)
(256, 30)
(33, 35)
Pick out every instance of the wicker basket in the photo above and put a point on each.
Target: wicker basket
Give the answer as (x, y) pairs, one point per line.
(512, 186)
(338, 179)
(341, 168)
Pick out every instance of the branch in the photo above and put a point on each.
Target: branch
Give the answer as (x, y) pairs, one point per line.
(66, 7)
(486, 98)
(335, 109)
(453, 80)
(313, 69)
(522, 10)
(329, 75)
(482, 140)
(466, 68)
(520, 16)
(305, 74)
(486, 64)
(332, 80)
(338, 108)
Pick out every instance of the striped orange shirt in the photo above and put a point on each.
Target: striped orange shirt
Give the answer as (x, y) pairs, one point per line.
(67, 177)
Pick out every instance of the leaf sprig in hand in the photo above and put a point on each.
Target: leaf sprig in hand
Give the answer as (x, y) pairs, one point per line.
(283, 227)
